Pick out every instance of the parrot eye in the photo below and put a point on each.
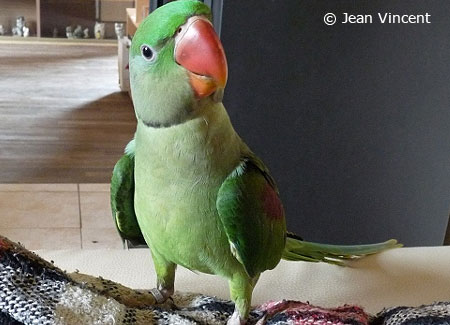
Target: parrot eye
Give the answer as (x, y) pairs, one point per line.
(147, 52)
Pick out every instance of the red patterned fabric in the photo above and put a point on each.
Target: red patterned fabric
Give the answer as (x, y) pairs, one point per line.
(296, 312)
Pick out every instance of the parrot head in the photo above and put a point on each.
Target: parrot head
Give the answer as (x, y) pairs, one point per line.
(177, 64)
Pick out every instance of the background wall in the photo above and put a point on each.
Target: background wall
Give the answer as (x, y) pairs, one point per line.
(352, 120)
(60, 14)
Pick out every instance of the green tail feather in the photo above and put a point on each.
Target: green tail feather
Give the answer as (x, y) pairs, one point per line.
(298, 250)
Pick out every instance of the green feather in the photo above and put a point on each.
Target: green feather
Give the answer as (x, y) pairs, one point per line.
(122, 198)
(150, 80)
(256, 237)
(300, 250)
(162, 24)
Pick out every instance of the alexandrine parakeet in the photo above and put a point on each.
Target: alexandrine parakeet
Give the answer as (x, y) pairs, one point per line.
(188, 185)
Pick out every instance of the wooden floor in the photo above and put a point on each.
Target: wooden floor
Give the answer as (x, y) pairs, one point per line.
(63, 118)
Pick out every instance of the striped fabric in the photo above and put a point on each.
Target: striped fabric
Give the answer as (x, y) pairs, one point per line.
(34, 291)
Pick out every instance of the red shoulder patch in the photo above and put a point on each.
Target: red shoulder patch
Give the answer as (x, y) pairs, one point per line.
(272, 203)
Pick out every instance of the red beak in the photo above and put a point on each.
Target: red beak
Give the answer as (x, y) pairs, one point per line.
(199, 50)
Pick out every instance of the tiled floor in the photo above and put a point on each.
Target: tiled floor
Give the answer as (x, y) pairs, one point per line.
(58, 216)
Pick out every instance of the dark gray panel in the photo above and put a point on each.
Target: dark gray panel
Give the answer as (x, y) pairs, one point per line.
(216, 9)
(352, 120)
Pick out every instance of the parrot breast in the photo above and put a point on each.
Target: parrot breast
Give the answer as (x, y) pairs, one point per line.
(179, 171)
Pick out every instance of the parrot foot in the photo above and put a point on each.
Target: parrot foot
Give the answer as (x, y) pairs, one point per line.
(161, 295)
(236, 319)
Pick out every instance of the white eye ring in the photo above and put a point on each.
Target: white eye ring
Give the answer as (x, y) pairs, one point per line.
(148, 53)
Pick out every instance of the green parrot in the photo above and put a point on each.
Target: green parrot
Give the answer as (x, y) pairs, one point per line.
(188, 185)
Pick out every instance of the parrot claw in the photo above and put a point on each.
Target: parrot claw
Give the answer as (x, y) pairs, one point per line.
(236, 319)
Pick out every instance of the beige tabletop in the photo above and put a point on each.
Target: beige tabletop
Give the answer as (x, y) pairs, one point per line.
(404, 276)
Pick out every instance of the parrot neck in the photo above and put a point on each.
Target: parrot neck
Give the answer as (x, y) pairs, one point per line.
(204, 145)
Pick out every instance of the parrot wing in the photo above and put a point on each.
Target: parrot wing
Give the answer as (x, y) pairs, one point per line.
(253, 216)
(122, 198)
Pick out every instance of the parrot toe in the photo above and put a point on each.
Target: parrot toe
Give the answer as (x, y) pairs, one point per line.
(236, 319)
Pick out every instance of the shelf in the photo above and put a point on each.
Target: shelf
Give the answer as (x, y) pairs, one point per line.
(42, 16)
(136, 15)
(10, 10)
(59, 14)
(66, 41)
(142, 10)
(132, 25)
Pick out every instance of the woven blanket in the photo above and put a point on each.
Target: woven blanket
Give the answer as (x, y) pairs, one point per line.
(34, 291)
(434, 314)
